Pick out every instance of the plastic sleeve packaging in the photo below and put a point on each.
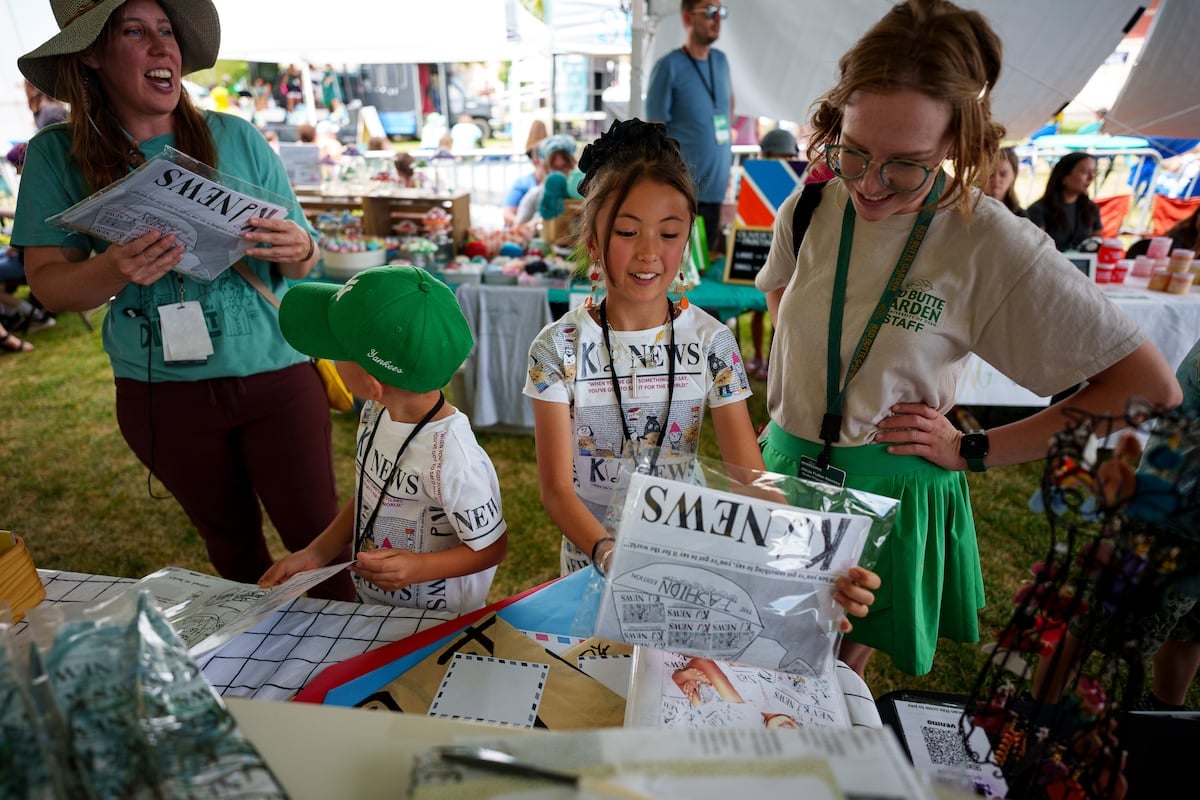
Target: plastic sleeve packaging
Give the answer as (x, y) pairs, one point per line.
(732, 564)
(117, 708)
(173, 193)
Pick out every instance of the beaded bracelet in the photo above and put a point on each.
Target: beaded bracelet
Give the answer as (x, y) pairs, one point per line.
(312, 247)
(596, 547)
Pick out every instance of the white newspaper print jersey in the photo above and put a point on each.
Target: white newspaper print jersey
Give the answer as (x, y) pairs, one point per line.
(445, 492)
(568, 363)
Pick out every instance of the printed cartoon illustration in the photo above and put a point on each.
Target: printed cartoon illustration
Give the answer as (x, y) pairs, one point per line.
(744, 379)
(588, 445)
(723, 378)
(537, 374)
(652, 433)
(633, 419)
(587, 440)
(675, 437)
(568, 352)
(725, 382)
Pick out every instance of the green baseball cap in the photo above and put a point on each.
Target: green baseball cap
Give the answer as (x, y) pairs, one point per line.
(400, 324)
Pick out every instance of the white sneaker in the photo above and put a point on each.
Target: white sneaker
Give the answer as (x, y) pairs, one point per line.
(40, 319)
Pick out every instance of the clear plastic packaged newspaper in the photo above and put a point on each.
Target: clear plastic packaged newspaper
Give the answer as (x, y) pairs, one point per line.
(207, 210)
(128, 712)
(733, 565)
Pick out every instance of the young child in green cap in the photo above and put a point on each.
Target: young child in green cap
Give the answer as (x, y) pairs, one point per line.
(425, 521)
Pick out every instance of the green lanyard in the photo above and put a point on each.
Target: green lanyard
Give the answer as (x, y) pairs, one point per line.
(831, 423)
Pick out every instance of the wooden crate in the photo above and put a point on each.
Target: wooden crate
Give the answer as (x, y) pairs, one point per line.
(20, 584)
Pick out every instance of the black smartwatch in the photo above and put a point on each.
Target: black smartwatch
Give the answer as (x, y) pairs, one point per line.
(973, 447)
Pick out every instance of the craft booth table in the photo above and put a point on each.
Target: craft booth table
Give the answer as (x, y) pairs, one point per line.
(326, 653)
(1171, 321)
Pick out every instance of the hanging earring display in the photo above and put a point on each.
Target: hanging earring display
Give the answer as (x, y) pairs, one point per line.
(595, 276)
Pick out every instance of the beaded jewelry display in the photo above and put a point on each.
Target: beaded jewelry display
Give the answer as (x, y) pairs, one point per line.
(1123, 532)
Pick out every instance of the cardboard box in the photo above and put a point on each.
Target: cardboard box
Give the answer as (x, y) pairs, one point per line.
(20, 585)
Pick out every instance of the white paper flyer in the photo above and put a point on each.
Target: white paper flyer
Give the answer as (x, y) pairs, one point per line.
(728, 576)
(207, 611)
(170, 194)
(856, 763)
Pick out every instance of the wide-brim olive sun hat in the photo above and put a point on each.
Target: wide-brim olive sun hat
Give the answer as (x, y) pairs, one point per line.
(196, 23)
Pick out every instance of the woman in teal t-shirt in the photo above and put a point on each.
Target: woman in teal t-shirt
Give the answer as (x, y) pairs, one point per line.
(248, 421)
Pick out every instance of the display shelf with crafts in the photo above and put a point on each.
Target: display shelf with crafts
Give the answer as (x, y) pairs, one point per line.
(343, 258)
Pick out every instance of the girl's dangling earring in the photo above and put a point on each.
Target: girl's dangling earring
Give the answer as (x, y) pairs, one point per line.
(595, 276)
(683, 301)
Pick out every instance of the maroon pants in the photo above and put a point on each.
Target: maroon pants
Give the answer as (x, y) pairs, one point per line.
(221, 445)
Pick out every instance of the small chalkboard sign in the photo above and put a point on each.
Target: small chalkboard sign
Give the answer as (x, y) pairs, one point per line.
(747, 253)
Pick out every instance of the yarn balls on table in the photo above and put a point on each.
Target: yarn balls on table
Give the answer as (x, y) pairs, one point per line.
(475, 248)
(512, 249)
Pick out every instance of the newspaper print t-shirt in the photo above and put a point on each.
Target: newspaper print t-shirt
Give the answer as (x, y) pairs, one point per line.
(568, 363)
(444, 493)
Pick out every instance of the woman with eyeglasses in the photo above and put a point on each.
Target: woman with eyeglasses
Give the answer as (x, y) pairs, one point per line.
(900, 276)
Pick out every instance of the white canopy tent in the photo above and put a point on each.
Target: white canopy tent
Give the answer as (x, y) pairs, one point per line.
(784, 55)
(1162, 95)
(20, 32)
(369, 32)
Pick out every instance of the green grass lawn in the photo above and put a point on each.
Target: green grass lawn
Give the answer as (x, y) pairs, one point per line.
(82, 501)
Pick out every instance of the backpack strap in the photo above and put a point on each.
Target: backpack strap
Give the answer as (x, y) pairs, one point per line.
(810, 198)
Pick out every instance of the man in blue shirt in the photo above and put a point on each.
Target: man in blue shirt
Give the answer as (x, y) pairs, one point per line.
(691, 91)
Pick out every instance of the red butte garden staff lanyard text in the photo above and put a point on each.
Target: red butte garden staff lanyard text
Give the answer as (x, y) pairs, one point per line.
(831, 423)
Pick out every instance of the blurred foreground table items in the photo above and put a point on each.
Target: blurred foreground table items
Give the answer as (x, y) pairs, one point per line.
(1171, 321)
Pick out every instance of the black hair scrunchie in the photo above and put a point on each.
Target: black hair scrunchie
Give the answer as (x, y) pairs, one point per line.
(620, 134)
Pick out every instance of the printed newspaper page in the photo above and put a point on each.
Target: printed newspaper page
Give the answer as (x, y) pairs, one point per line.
(728, 576)
(207, 611)
(208, 215)
(810, 763)
(668, 690)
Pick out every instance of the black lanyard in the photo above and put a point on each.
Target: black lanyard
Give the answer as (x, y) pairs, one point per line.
(361, 533)
(616, 385)
(711, 83)
(831, 423)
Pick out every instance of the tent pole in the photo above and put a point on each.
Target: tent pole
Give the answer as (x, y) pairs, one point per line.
(636, 57)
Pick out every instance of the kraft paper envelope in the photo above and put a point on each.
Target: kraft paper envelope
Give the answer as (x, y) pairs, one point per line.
(571, 699)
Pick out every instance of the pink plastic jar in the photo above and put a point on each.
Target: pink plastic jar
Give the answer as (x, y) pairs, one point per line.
(1160, 247)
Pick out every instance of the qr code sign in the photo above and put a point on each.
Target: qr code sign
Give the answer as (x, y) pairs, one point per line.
(945, 746)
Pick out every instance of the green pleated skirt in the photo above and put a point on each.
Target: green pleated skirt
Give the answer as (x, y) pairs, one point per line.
(932, 581)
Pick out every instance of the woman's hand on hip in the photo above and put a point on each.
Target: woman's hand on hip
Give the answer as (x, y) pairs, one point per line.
(915, 429)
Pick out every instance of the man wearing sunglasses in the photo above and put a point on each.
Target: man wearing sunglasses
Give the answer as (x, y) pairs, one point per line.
(691, 91)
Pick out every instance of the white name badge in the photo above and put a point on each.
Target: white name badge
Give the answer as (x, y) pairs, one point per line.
(184, 332)
(721, 128)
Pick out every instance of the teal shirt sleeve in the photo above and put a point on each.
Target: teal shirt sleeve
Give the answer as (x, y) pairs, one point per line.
(242, 325)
